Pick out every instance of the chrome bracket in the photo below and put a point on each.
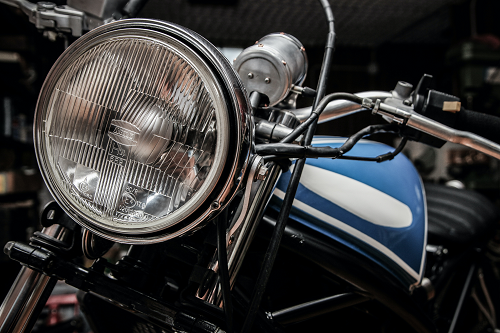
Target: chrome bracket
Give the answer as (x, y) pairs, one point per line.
(252, 177)
(368, 103)
(390, 113)
(241, 231)
(47, 15)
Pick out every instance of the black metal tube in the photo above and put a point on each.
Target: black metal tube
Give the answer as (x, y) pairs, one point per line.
(465, 292)
(317, 307)
(224, 270)
(353, 267)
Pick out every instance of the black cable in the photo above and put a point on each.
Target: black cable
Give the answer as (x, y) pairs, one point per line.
(327, 57)
(224, 271)
(317, 110)
(390, 156)
(400, 147)
(289, 150)
(132, 8)
(279, 229)
(358, 158)
(369, 130)
(380, 158)
(294, 151)
(323, 79)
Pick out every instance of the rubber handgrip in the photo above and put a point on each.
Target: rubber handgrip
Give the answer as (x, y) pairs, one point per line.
(482, 124)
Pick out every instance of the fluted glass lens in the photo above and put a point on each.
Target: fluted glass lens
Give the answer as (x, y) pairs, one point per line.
(134, 133)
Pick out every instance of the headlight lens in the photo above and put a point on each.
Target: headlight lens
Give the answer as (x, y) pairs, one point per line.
(134, 131)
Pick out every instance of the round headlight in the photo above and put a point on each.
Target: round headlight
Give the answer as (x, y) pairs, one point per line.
(141, 131)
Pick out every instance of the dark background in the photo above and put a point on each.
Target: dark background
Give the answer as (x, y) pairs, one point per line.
(378, 44)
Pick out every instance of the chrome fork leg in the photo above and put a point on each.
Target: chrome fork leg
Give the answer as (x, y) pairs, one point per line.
(25, 300)
(29, 293)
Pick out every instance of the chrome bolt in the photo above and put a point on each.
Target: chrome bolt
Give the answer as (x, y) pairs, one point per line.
(283, 62)
(260, 45)
(250, 75)
(267, 80)
(215, 205)
(262, 173)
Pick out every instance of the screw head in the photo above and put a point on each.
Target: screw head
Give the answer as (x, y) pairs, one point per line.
(250, 75)
(267, 80)
(260, 45)
(215, 205)
(407, 102)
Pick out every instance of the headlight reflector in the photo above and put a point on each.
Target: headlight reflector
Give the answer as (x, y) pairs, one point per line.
(133, 131)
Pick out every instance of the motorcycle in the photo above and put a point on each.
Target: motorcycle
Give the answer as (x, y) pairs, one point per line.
(237, 218)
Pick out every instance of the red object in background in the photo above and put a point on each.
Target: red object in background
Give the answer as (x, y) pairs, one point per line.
(55, 302)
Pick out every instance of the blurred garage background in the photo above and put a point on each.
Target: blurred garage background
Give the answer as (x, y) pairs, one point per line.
(379, 42)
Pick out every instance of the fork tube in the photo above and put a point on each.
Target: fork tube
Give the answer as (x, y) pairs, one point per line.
(28, 294)
(241, 234)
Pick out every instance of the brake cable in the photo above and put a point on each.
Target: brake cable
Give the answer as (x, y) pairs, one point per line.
(279, 229)
(287, 150)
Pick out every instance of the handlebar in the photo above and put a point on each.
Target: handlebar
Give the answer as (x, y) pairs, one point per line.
(434, 128)
(340, 108)
(468, 122)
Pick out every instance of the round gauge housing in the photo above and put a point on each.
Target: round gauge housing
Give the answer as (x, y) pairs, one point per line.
(271, 66)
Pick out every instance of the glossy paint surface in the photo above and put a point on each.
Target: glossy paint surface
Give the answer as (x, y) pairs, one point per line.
(378, 209)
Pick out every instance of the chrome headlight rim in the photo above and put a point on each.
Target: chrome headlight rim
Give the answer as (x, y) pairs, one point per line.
(238, 146)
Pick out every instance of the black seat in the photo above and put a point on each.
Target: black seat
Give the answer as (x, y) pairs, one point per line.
(458, 217)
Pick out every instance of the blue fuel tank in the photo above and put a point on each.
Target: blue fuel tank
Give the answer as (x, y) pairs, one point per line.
(377, 209)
